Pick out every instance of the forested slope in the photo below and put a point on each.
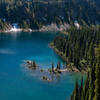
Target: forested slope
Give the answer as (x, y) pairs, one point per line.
(36, 13)
(91, 89)
(78, 46)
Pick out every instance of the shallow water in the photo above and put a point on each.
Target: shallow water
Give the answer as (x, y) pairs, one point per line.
(16, 82)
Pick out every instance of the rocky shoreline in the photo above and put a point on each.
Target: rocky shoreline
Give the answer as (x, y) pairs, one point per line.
(46, 74)
(70, 67)
(52, 27)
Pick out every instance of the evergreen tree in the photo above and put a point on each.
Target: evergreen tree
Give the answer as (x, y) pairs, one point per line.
(97, 82)
(58, 65)
(52, 67)
(81, 89)
(97, 75)
(91, 83)
(85, 94)
(91, 88)
(76, 92)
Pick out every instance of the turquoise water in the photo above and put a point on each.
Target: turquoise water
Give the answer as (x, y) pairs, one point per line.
(16, 82)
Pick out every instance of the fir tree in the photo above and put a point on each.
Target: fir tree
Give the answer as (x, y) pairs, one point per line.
(76, 91)
(97, 82)
(81, 89)
(97, 75)
(91, 83)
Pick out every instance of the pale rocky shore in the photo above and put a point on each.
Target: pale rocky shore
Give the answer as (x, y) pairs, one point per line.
(55, 27)
(52, 27)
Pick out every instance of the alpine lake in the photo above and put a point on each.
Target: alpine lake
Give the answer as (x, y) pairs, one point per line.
(17, 82)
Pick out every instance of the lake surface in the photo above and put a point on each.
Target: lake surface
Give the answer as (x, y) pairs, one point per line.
(16, 82)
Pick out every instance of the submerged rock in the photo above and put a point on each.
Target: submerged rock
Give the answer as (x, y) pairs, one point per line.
(42, 70)
(45, 78)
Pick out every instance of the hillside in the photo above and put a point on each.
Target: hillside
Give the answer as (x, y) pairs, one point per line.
(34, 14)
(91, 88)
(78, 46)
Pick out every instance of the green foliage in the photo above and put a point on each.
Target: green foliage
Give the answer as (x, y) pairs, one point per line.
(75, 95)
(84, 93)
(91, 83)
(58, 65)
(97, 82)
(52, 67)
(25, 24)
(78, 46)
(43, 12)
(97, 75)
(91, 87)
(1, 24)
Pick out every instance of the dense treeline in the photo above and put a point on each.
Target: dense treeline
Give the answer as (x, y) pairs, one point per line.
(81, 48)
(36, 13)
(78, 47)
(91, 89)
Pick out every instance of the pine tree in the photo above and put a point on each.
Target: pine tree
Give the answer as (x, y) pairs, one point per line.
(97, 75)
(80, 89)
(91, 83)
(52, 67)
(85, 89)
(58, 65)
(34, 64)
(76, 91)
(75, 94)
(97, 82)
(72, 96)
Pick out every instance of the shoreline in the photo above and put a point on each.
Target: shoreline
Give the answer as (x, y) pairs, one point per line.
(51, 45)
(27, 30)
(69, 68)
(53, 27)
(18, 30)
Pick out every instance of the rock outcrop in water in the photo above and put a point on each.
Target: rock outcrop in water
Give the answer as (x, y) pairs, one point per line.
(46, 74)
(31, 64)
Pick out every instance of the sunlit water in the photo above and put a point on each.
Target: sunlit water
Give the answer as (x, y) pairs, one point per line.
(16, 82)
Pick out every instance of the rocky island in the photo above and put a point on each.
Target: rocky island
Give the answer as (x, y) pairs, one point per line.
(47, 73)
